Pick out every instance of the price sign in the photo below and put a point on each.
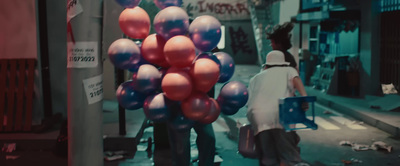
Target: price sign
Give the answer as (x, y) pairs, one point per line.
(94, 89)
(82, 55)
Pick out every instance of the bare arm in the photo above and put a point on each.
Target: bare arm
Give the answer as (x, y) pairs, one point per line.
(298, 84)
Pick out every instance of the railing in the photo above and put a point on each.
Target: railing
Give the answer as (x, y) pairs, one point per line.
(16, 94)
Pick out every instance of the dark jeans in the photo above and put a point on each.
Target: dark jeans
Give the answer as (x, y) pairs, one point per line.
(180, 145)
(276, 147)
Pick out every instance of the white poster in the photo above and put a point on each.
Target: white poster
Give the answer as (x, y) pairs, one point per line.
(223, 10)
(82, 55)
(94, 89)
(73, 9)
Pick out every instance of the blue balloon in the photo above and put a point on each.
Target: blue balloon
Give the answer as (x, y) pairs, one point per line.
(181, 124)
(234, 94)
(227, 66)
(147, 79)
(156, 109)
(227, 109)
(170, 22)
(128, 3)
(161, 4)
(128, 97)
(124, 54)
(205, 32)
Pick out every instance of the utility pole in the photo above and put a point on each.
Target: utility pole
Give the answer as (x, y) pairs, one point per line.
(85, 79)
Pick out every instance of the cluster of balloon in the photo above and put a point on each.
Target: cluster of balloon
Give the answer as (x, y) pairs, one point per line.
(174, 68)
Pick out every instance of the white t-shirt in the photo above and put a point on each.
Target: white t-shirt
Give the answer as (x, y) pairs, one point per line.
(265, 90)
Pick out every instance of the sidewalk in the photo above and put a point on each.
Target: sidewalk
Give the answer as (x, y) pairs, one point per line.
(373, 110)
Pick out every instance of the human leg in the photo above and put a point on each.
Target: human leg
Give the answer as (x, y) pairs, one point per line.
(265, 147)
(180, 147)
(289, 153)
(205, 143)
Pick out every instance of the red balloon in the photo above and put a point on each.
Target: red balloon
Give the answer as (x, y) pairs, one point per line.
(135, 22)
(196, 106)
(176, 84)
(179, 51)
(213, 115)
(205, 73)
(152, 50)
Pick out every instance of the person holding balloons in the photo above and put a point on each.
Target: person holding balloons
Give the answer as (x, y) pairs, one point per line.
(170, 79)
(205, 141)
(274, 145)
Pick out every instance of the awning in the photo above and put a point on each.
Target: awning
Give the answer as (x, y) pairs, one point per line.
(325, 15)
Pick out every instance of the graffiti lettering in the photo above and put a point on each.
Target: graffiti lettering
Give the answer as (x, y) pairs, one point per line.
(222, 8)
(239, 41)
(189, 10)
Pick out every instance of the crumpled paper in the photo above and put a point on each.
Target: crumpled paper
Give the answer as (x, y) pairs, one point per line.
(388, 89)
(381, 145)
(377, 145)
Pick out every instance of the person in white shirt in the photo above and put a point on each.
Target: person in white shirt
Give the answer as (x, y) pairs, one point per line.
(278, 80)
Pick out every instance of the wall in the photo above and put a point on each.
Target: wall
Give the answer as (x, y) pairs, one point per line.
(111, 32)
(288, 9)
(369, 48)
(18, 30)
(57, 42)
(240, 42)
(273, 11)
(348, 42)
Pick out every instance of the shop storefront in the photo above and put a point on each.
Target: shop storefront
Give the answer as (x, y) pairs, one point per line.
(329, 46)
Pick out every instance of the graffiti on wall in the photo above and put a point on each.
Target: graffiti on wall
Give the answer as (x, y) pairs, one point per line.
(223, 10)
(239, 40)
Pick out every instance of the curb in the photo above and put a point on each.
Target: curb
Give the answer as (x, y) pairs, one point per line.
(359, 115)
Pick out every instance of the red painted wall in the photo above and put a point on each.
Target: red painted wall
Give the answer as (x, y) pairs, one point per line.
(18, 38)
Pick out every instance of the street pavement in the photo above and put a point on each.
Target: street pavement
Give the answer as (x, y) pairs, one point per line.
(318, 147)
(339, 121)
